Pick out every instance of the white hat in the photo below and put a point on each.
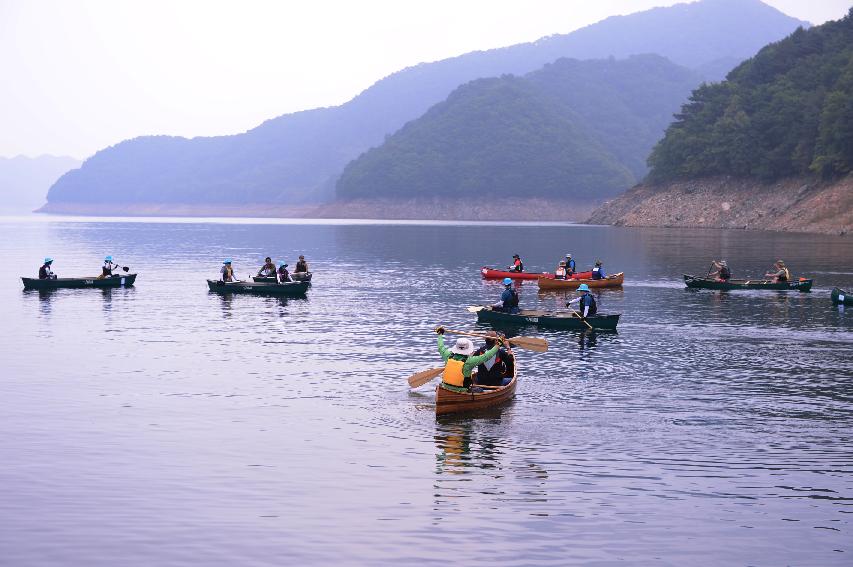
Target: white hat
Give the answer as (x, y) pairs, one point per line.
(463, 346)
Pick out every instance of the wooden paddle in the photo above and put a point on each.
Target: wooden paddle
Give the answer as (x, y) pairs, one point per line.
(475, 309)
(579, 316)
(530, 343)
(421, 378)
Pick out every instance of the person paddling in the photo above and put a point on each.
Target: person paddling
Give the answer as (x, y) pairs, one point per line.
(570, 266)
(226, 273)
(107, 268)
(268, 269)
(283, 274)
(560, 273)
(45, 273)
(780, 272)
(598, 271)
(459, 362)
(517, 264)
(498, 370)
(586, 302)
(721, 271)
(509, 299)
(301, 265)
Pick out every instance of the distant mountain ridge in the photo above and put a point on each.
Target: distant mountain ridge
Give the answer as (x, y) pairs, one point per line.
(24, 181)
(577, 130)
(296, 158)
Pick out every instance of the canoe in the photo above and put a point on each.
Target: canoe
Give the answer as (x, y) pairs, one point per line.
(841, 297)
(297, 277)
(610, 281)
(492, 274)
(259, 288)
(448, 401)
(709, 283)
(125, 280)
(549, 319)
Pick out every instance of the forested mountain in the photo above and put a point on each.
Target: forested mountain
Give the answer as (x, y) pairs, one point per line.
(298, 157)
(24, 181)
(787, 111)
(572, 130)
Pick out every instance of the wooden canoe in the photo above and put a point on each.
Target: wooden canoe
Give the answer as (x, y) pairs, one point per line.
(259, 288)
(610, 281)
(492, 274)
(125, 280)
(296, 276)
(448, 401)
(711, 283)
(549, 319)
(841, 297)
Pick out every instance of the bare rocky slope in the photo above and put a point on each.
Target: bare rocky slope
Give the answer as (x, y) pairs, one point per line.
(792, 205)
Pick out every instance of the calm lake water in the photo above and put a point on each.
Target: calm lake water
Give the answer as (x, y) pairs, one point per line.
(166, 425)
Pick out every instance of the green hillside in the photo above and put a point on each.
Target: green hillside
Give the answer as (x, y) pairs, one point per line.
(787, 111)
(572, 130)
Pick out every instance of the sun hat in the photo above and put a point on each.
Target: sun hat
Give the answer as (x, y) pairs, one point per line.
(226, 261)
(108, 259)
(282, 265)
(48, 260)
(463, 346)
(583, 287)
(507, 281)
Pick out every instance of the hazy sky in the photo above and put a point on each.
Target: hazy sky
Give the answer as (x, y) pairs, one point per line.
(81, 75)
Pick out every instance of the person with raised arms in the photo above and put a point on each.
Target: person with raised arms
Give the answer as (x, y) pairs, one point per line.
(459, 362)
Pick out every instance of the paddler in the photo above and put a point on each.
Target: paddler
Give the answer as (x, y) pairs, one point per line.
(509, 299)
(283, 274)
(227, 272)
(779, 273)
(570, 266)
(107, 268)
(517, 264)
(301, 265)
(560, 272)
(585, 301)
(598, 271)
(498, 370)
(45, 273)
(268, 269)
(459, 362)
(722, 271)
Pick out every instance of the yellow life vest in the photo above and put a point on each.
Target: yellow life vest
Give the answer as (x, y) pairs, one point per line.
(453, 372)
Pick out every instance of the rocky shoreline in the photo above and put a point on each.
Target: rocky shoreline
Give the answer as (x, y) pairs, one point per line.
(790, 205)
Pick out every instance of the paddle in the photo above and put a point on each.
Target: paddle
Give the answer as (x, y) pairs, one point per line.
(474, 309)
(530, 343)
(579, 316)
(421, 378)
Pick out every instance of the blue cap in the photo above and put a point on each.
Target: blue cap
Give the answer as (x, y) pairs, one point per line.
(282, 265)
(108, 259)
(226, 261)
(583, 287)
(48, 260)
(507, 281)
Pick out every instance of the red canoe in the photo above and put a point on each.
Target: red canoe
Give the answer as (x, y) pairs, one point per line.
(492, 274)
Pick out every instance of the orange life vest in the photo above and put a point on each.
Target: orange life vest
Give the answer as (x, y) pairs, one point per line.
(453, 372)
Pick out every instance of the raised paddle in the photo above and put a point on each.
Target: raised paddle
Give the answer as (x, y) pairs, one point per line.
(421, 378)
(529, 343)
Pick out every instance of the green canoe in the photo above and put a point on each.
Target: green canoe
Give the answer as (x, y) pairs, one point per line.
(549, 319)
(841, 297)
(125, 280)
(259, 288)
(710, 283)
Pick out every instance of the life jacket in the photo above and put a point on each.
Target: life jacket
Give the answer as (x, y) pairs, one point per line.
(596, 273)
(588, 301)
(560, 273)
(725, 273)
(453, 372)
(512, 301)
(518, 265)
(491, 375)
(301, 266)
(786, 275)
(571, 266)
(228, 274)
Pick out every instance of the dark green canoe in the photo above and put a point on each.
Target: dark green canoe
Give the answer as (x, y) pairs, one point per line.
(549, 319)
(841, 297)
(259, 288)
(296, 276)
(710, 283)
(125, 280)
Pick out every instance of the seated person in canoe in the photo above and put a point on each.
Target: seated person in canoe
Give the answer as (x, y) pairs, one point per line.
(517, 264)
(598, 271)
(301, 265)
(498, 370)
(283, 274)
(560, 273)
(107, 268)
(226, 273)
(459, 362)
(586, 302)
(268, 269)
(779, 273)
(570, 266)
(509, 299)
(45, 273)
(721, 271)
